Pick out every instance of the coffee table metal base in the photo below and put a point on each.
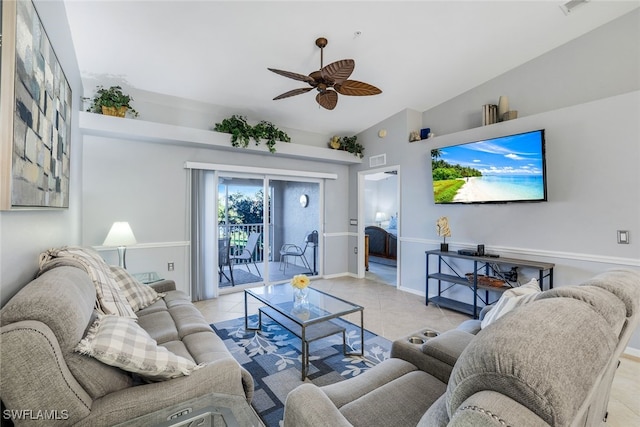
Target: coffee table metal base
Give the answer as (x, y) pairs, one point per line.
(307, 331)
(306, 334)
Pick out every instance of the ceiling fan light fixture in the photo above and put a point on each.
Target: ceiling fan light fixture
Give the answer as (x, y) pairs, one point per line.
(329, 81)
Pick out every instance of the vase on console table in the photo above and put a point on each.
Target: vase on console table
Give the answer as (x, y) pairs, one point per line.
(444, 247)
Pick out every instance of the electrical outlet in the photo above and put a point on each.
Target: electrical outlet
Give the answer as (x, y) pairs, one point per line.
(623, 237)
(170, 266)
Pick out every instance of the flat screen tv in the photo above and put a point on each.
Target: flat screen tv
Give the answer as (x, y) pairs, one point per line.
(499, 170)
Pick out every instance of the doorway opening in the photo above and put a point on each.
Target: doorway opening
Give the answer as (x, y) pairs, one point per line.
(379, 213)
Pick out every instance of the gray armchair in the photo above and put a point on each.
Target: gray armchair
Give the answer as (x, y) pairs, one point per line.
(549, 362)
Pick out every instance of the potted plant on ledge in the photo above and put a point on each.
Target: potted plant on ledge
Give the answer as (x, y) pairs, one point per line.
(111, 102)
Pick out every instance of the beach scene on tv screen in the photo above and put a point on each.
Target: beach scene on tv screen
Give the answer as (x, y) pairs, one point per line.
(503, 169)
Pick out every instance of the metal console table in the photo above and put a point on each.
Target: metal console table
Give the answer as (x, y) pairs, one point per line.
(481, 265)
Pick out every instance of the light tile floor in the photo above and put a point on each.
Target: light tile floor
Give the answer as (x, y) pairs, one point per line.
(394, 314)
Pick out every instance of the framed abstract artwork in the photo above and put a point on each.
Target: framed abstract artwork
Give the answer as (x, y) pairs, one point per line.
(35, 114)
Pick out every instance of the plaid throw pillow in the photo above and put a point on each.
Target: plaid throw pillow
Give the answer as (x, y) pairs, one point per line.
(121, 342)
(139, 296)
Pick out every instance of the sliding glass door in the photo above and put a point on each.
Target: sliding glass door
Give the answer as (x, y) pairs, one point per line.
(267, 229)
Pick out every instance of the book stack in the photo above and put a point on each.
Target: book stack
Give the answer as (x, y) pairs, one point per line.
(489, 114)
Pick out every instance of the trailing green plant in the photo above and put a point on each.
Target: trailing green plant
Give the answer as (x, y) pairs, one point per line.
(269, 132)
(350, 144)
(112, 97)
(242, 132)
(239, 129)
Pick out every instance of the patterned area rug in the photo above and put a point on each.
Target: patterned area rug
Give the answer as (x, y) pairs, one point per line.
(273, 358)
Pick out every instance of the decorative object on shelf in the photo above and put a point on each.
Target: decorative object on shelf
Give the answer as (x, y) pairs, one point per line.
(347, 143)
(242, 132)
(486, 280)
(111, 102)
(489, 114)
(424, 133)
(431, 135)
(36, 105)
(329, 81)
(510, 115)
(503, 106)
(300, 293)
(442, 227)
(414, 136)
(121, 236)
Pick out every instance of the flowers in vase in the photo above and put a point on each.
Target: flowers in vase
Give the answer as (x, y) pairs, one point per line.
(300, 281)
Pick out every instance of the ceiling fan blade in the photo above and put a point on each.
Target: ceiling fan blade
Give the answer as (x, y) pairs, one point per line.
(293, 93)
(327, 99)
(292, 75)
(356, 88)
(338, 71)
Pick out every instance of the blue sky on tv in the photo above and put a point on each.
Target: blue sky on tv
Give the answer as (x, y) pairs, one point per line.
(510, 155)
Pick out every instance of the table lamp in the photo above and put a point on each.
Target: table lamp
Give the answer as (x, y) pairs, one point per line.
(120, 236)
(380, 216)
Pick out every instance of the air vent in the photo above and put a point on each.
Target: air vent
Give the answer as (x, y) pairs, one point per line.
(379, 160)
(568, 7)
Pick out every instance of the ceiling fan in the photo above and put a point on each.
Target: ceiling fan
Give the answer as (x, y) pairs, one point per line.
(329, 81)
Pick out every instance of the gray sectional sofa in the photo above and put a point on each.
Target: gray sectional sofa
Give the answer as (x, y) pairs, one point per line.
(44, 322)
(549, 362)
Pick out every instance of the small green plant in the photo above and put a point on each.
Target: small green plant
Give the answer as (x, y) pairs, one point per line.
(239, 129)
(350, 144)
(242, 132)
(268, 131)
(110, 98)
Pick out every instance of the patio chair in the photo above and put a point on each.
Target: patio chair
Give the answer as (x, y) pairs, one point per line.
(246, 256)
(291, 250)
(224, 259)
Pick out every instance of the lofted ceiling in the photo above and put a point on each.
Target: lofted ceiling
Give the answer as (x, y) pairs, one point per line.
(420, 53)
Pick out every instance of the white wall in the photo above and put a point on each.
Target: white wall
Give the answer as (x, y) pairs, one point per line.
(145, 183)
(24, 234)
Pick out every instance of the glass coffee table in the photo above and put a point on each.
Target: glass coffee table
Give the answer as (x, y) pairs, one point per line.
(310, 322)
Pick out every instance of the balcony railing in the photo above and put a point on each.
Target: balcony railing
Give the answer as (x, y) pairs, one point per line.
(239, 234)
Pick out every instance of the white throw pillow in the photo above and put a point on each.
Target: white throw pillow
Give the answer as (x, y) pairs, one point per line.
(511, 299)
(121, 342)
(138, 295)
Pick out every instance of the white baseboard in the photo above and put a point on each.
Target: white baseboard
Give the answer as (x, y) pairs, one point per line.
(632, 352)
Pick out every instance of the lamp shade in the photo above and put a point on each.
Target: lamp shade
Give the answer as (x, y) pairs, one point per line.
(380, 216)
(120, 235)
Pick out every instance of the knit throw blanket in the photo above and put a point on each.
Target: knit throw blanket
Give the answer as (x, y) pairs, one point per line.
(109, 298)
